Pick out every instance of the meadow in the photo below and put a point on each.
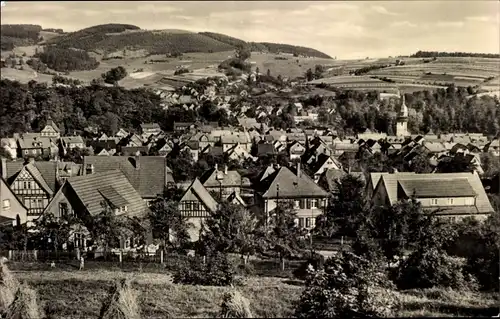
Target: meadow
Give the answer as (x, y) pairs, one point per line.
(69, 293)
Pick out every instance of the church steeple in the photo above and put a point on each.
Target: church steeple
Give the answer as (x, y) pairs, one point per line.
(403, 109)
(402, 120)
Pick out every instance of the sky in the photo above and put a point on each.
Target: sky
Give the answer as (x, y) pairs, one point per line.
(345, 29)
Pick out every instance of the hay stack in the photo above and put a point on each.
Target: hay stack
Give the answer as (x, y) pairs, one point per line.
(8, 287)
(234, 305)
(25, 305)
(121, 303)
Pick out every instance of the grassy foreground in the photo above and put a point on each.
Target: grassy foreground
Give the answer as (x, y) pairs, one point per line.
(79, 294)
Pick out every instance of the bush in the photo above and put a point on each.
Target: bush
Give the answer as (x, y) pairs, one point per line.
(316, 262)
(217, 272)
(347, 286)
(234, 305)
(433, 268)
(181, 71)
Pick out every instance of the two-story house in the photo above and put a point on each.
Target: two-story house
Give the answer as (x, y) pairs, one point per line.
(90, 195)
(35, 183)
(196, 205)
(453, 195)
(149, 175)
(33, 145)
(283, 185)
(71, 142)
(12, 210)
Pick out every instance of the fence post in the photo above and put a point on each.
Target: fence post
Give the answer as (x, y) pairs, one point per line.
(161, 256)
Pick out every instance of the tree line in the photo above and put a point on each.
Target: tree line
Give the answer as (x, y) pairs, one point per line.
(432, 54)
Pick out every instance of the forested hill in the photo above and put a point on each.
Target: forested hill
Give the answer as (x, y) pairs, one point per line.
(115, 37)
(268, 46)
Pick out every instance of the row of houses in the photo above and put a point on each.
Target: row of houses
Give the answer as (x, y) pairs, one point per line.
(128, 184)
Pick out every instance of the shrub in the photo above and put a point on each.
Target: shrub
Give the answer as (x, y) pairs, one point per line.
(316, 262)
(433, 268)
(25, 305)
(218, 271)
(347, 286)
(121, 303)
(181, 71)
(234, 305)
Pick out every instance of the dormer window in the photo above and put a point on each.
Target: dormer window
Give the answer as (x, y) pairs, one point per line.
(434, 201)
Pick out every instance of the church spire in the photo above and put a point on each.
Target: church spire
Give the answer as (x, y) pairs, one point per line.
(403, 109)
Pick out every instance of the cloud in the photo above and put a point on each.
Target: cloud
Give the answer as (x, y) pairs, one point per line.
(486, 19)
(383, 10)
(403, 24)
(450, 24)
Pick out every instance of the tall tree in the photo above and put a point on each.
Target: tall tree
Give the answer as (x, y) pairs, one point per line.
(231, 228)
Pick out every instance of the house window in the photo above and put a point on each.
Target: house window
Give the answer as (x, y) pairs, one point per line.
(308, 222)
(25, 185)
(301, 222)
(6, 204)
(63, 209)
(196, 206)
(314, 203)
(434, 201)
(296, 203)
(29, 185)
(302, 203)
(450, 201)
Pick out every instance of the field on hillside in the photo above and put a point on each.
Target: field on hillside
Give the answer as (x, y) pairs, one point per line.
(78, 294)
(480, 72)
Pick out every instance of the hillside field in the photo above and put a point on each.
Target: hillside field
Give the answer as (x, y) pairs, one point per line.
(71, 294)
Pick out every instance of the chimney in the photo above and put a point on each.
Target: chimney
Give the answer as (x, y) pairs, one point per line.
(31, 160)
(225, 169)
(89, 169)
(137, 162)
(298, 169)
(4, 168)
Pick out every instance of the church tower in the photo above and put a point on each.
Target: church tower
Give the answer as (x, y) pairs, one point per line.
(402, 120)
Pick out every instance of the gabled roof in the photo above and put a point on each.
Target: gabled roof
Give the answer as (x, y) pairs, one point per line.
(390, 181)
(45, 173)
(53, 124)
(149, 178)
(217, 178)
(72, 139)
(112, 187)
(437, 188)
(150, 126)
(321, 159)
(12, 195)
(202, 194)
(290, 185)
